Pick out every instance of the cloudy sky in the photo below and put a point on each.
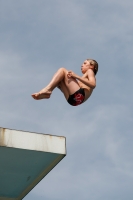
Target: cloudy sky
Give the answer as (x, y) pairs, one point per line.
(38, 37)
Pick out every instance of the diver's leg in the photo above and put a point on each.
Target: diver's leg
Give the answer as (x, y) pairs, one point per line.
(46, 92)
(60, 75)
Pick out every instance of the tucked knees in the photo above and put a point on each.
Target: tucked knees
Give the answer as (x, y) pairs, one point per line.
(63, 72)
(62, 69)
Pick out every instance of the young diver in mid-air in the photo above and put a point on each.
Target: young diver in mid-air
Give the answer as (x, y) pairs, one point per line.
(76, 89)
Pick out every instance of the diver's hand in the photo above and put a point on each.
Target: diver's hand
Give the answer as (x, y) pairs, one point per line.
(71, 74)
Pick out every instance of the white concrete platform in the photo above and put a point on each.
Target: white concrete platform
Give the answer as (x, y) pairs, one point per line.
(25, 159)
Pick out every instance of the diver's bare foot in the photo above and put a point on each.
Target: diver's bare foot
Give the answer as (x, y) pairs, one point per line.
(41, 95)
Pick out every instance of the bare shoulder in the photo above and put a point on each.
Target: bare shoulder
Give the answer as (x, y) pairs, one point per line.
(90, 73)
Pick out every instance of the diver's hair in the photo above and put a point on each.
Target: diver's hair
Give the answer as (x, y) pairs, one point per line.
(95, 64)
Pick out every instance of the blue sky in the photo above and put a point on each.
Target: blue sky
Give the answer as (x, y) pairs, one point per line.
(37, 38)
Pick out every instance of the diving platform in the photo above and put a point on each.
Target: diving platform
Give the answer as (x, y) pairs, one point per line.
(25, 159)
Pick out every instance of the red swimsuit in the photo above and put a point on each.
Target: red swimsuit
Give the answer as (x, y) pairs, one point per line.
(77, 98)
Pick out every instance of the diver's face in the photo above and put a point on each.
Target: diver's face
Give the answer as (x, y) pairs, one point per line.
(85, 66)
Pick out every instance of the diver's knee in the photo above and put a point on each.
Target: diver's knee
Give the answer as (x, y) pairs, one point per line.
(62, 69)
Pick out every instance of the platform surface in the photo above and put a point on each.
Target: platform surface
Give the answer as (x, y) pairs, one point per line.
(25, 159)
